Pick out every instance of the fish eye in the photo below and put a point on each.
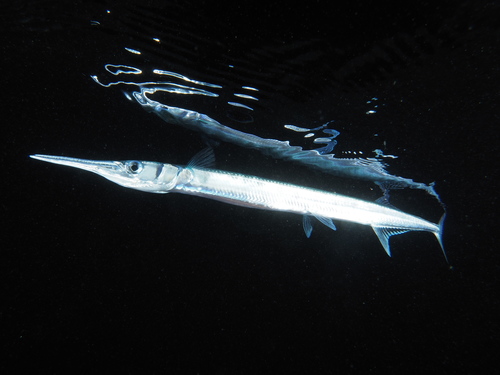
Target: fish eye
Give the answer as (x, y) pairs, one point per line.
(134, 166)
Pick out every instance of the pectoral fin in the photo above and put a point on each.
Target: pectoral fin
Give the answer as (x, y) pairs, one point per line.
(203, 159)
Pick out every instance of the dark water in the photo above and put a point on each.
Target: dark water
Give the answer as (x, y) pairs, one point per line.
(97, 277)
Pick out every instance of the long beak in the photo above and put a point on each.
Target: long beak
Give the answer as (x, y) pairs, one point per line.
(95, 166)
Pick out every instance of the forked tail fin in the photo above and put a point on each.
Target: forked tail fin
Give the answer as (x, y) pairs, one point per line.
(384, 233)
(439, 236)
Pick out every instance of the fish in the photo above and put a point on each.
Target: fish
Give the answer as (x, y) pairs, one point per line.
(198, 178)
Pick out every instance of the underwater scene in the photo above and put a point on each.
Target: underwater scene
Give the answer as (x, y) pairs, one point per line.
(287, 188)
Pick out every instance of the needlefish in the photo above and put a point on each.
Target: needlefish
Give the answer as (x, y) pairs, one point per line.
(198, 178)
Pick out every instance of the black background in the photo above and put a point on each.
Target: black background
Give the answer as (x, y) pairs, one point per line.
(96, 278)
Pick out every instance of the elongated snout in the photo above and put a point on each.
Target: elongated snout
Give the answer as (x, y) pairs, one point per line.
(95, 166)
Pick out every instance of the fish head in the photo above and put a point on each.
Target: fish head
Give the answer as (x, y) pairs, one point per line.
(146, 176)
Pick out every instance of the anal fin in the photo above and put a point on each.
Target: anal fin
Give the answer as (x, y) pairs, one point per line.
(384, 233)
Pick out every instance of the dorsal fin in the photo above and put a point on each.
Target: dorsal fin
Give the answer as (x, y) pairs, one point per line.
(203, 159)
